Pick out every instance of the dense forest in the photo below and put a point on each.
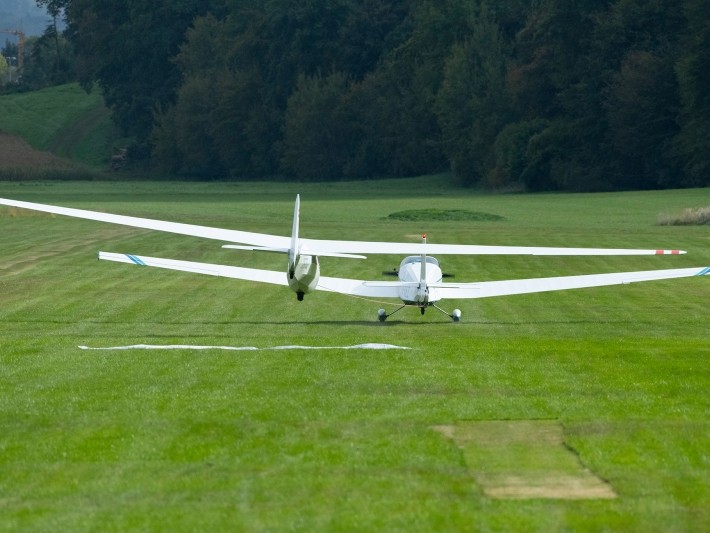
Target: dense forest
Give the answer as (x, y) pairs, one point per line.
(540, 94)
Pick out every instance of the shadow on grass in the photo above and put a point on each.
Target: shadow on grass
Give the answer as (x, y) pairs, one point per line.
(389, 323)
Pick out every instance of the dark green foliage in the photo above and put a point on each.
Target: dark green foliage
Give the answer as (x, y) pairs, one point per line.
(515, 162)
(50, 61)
(550, 94)
(443, 214)
(642, 109)
(127, 48)
(694, 77)
(473, 104)
(603, 77)
(318, 137)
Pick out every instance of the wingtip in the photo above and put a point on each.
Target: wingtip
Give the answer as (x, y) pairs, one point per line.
(670, 252)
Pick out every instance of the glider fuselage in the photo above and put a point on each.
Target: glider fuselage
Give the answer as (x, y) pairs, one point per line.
(303, 274)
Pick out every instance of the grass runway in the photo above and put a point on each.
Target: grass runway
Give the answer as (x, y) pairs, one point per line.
(343, 439)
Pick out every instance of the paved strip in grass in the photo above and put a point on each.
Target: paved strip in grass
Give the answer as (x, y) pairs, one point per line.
(523, 459)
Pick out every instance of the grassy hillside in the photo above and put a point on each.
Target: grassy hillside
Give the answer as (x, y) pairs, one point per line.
(608, 384)
(63, 120)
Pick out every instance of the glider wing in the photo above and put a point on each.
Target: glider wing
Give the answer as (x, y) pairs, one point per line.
(249, 274)
(385, 289)
(226, 235)
(263, 241)
(353, 287)
(323, 247)
(487, 289)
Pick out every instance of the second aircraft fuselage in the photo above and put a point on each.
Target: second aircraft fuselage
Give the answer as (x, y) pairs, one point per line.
(417, 289)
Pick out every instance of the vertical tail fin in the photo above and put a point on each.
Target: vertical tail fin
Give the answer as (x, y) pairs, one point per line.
(293, 251)
(422, 275)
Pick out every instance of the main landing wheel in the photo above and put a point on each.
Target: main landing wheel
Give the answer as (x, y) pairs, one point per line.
(382, 314)
(456, 315)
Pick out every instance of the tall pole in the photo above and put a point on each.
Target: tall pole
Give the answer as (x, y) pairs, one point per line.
(20, 49)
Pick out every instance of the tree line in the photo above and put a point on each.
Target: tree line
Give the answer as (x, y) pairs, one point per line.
(544, 94)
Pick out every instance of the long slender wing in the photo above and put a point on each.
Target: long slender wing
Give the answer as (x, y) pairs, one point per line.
(385, 289)
(341, 285)
(249, 274)
(226, 235)
(487, 289)
(324, 247)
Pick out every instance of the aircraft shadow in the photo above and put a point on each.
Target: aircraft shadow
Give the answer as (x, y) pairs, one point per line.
(371, 323)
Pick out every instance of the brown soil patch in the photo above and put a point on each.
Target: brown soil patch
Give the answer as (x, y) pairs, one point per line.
(524, 459)
(549, 487)
(16, 153)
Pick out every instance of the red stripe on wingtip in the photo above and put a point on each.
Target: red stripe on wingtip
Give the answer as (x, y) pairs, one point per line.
(667, 252)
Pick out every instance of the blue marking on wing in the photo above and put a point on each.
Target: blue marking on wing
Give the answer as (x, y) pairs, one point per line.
(704, 272)
(136, 260)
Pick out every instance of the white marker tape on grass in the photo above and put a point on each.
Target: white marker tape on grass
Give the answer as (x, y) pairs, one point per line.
(367, 346)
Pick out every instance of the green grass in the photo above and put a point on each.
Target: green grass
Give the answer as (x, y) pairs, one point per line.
(64, 120)
(342, 440)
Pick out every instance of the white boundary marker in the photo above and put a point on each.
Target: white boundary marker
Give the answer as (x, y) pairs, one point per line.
(366, 346)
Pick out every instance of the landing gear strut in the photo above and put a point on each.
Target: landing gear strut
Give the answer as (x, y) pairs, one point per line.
(455, 315)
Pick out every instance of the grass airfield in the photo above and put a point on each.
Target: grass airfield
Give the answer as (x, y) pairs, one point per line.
(336, 439)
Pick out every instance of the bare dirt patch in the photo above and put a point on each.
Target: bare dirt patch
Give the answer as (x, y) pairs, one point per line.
(524, 459)
(15, 153)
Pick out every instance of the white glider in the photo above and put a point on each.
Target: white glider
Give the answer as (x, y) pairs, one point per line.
(420, 279)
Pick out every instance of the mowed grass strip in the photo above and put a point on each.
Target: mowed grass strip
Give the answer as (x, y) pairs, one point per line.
(340, 439)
